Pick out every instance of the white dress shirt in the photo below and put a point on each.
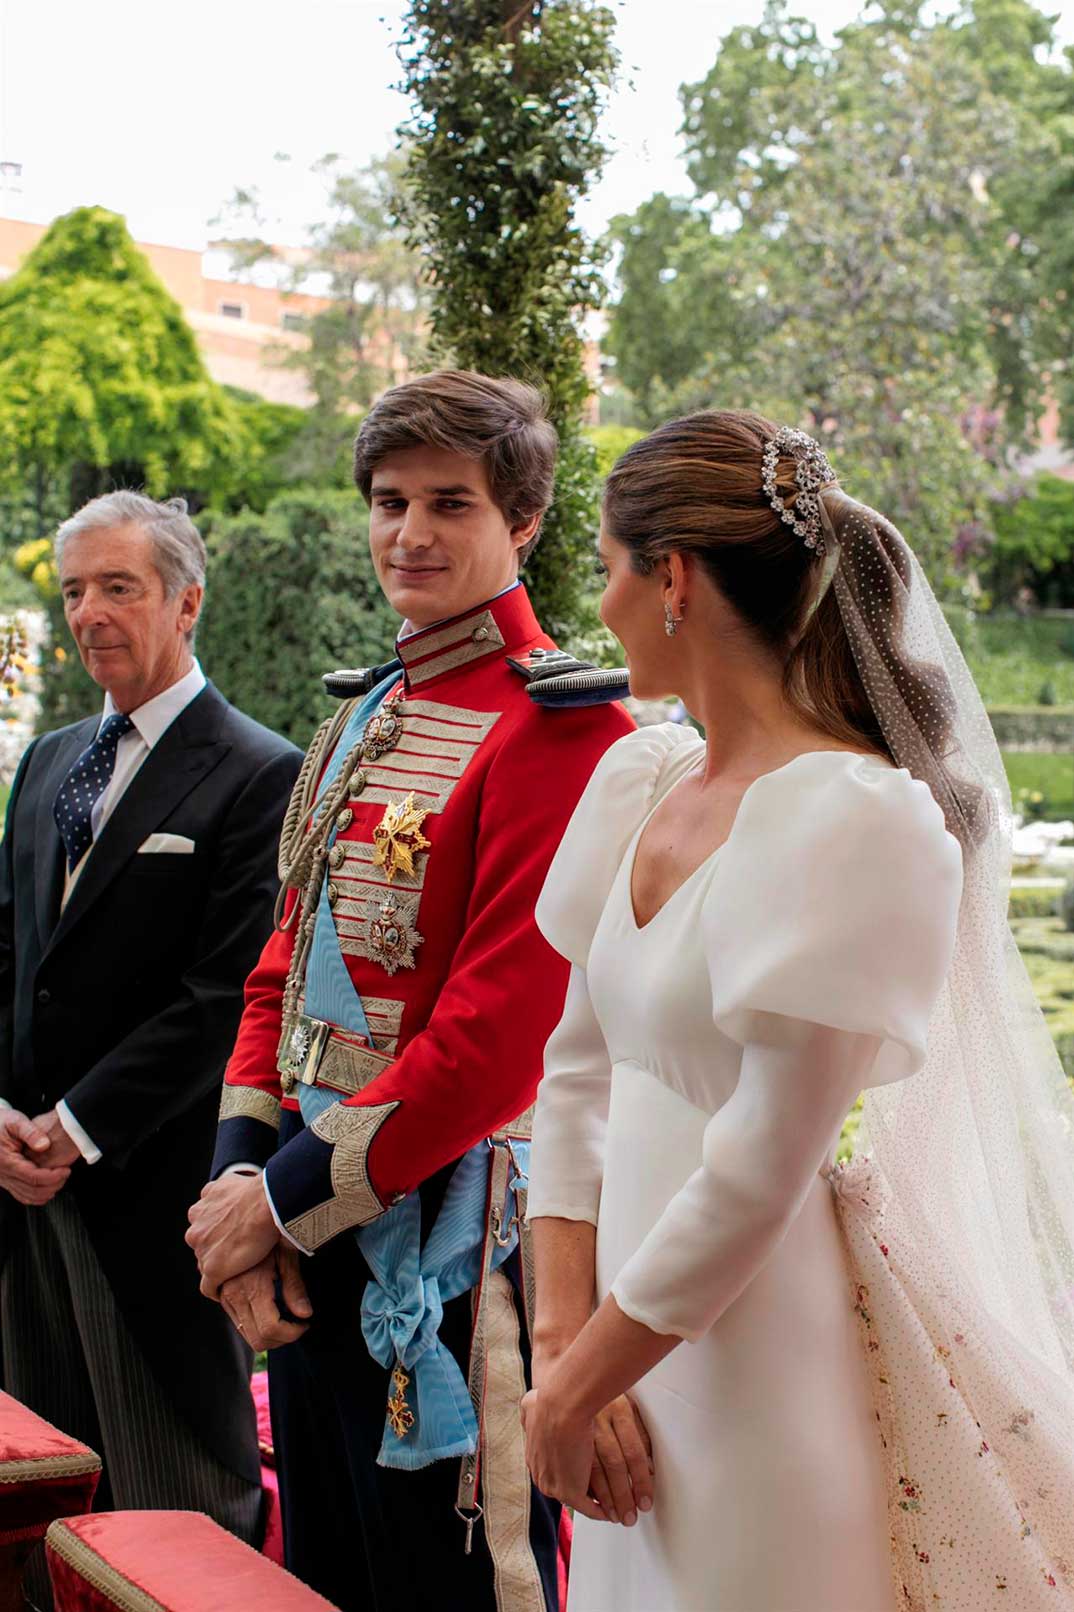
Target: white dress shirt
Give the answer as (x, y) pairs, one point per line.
(151, 721)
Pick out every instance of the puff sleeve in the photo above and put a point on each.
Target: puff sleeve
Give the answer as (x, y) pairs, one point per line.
(567, 1161)
(829, 928)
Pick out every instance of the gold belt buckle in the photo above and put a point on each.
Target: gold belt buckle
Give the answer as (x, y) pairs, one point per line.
(301, 1051)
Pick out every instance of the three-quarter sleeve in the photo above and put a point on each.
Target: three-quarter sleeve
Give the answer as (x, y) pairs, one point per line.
(567, 1158)
(829, 929)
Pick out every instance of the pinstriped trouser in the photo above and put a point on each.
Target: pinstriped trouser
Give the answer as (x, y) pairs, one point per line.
(69, 1356)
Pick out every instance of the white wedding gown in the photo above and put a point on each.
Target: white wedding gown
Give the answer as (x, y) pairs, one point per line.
(694, 1091)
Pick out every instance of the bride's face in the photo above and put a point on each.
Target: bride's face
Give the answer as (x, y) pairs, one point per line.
(633, 609)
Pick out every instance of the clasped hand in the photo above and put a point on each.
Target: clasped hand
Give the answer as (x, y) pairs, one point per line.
(602, 1468)
(36, 1156)
(241, 1256)
(231, 1230)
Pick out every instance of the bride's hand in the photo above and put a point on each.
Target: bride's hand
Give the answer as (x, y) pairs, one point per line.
(559, 1454)
(622, 1473)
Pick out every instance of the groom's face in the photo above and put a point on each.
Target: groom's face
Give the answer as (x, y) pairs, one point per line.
(440, 544)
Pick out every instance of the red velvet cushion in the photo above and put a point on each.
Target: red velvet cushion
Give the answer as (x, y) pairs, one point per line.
(43, 1473)
(165, 1561)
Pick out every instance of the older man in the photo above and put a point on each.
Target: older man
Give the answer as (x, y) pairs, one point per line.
(136, 885)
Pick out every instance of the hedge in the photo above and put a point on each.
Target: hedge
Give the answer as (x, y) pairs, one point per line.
(291, 594)
(1033, 901)
(1033, 727)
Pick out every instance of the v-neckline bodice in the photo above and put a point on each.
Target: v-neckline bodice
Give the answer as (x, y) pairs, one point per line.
(631, 856)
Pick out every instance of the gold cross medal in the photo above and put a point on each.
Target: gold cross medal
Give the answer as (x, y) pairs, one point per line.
(397, 838)
(400, 1415)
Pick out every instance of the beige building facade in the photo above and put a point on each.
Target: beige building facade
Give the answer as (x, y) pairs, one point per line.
(241, 327)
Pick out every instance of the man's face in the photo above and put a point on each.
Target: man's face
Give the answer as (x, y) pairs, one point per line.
(440, 545)
(132, 639)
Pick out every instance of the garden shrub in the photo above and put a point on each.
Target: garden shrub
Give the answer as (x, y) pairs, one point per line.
(1065, 907)
(1032, 901)
(291, 594)
(1027, 727)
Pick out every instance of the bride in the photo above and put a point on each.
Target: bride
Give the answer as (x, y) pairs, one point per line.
(856, 1382)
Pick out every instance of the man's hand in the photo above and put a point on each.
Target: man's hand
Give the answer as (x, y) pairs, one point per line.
(231, 1230)
(250, 1300)
(23, 1146)
(62, 1152)
(622, 1475)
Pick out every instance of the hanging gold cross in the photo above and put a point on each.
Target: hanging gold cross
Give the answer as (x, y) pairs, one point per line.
(397, 838)
(400, 1415)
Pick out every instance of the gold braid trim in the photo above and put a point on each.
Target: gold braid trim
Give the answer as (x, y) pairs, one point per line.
(293, 832)
(250, 1102)
(122, 1593)
(505, 1480)
(50, 1466)
(350, 1132)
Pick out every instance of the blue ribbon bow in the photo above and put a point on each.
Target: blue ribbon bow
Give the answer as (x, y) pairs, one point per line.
(403, 1304)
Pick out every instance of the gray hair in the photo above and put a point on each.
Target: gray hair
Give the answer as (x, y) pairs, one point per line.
(178, 549)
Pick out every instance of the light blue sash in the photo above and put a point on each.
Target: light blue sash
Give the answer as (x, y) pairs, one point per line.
(403, 1304)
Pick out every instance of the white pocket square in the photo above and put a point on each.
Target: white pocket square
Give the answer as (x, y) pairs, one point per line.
(168, 842)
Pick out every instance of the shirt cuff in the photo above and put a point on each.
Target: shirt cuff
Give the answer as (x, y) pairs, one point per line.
(280, 1227)
(84, 1143)
(241, 1168)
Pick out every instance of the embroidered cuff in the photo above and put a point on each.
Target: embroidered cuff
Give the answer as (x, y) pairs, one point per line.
(249, 1128)
(318, 1185)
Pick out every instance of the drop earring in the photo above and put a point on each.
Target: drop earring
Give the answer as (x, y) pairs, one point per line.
(672, 622)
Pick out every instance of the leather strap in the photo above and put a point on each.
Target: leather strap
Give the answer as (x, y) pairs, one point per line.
(466, 1502)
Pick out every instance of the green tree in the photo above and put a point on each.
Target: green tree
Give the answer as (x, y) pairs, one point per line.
(861, 275)
(102, 385)
(357, 258)
(661, 328)
(275, 436)
(1033, 546)
(291, 594)
(101, 381)
(502, 144)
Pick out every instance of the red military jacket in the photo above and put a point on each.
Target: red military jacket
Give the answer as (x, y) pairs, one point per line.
(460, 989)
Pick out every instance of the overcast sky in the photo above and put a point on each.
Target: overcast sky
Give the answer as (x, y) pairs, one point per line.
(159, 112)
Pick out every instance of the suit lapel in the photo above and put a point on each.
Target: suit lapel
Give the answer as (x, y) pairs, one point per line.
(176, 765)
(49, 855)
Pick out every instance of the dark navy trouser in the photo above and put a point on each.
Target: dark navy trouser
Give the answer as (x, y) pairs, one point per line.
(369, 1538)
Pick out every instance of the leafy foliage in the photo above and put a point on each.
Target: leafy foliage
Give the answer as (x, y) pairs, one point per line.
(1033, 546)
(859, 257)
(1012, 657)
(100, 377)
(357, 258)
(275, 436)
(68, 693)
(610, 442)
(291, 594)
(1042, 782)
(502, 143)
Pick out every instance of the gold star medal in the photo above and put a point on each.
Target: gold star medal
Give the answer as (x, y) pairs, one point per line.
(397, 838)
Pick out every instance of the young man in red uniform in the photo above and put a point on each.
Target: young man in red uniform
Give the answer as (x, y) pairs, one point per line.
(393, 1037)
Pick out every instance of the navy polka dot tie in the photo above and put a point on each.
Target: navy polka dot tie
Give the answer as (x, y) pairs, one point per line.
(84, 786)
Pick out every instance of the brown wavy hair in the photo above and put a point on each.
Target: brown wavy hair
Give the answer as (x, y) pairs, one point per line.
(498, 420)
(694, 485)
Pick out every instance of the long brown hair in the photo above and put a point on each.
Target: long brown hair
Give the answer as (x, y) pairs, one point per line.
(694, 485)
